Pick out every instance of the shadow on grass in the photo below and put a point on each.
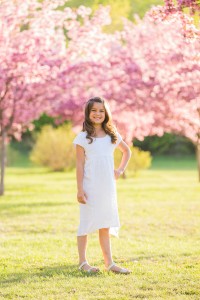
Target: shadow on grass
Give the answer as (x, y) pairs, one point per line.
(48, 272)
(13, 210)
(72, 270)
(11, 206)
(27, 170)
(37, 170)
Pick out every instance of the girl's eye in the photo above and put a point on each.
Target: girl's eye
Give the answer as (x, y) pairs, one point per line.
(95, 110)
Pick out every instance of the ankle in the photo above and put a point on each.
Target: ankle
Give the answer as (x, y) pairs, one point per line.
(82, 260)
(107, 264)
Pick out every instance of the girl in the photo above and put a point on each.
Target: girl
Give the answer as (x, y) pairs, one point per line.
(96, 184)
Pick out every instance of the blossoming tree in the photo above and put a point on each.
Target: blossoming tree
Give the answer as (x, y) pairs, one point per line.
(32, 48)
(151, 79)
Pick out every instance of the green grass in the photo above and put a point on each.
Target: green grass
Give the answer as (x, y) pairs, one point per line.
(159, 239)
(186, 162)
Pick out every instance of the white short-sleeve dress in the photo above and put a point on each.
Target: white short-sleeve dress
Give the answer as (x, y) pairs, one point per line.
(99, 184)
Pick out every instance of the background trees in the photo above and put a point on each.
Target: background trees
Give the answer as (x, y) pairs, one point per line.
(53, 58)
(32, 52)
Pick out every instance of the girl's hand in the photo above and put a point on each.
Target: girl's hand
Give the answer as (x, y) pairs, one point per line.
(81, 197)
(118, 172)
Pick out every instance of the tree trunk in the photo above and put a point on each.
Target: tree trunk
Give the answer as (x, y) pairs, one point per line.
(198, 144)
(3, 159)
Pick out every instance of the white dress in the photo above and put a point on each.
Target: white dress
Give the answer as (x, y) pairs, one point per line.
(99, 184)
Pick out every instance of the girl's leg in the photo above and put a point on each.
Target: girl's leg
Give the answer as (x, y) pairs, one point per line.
(82, 247)
(104, 239)
(105, 243)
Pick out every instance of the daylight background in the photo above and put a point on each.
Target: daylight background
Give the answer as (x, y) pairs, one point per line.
(143, 57)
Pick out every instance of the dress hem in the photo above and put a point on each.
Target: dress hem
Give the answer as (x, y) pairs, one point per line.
(110, 231)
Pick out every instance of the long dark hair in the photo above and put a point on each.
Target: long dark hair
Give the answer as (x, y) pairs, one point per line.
(107, 124)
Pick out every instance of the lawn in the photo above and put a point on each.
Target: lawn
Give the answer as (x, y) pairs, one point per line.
(159, 236)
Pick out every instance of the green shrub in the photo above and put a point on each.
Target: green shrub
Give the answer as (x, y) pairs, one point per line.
(138, 161)
(168, 144)
(54, 148)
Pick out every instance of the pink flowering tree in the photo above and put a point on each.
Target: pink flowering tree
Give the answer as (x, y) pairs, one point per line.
(193, 5)
(151, 79)
(172, 63)
(44, 50)
(47, 63)
(32, 52)
(102, 66)
(186, 11)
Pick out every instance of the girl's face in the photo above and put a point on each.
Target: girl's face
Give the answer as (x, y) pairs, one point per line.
(97, 113)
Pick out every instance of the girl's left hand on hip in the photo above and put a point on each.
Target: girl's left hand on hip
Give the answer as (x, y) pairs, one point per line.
(117, 173)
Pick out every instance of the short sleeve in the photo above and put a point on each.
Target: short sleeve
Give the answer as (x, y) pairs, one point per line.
(119, 139)
(79, 140)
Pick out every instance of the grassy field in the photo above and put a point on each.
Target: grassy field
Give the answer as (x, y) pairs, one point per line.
(159, 237)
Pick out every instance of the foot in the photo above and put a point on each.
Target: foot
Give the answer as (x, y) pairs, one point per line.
(84, 266)
(114, 268)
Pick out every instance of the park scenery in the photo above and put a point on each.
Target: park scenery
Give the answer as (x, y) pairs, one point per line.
(143, 57)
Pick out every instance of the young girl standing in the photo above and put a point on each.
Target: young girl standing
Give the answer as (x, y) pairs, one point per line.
(96, 184)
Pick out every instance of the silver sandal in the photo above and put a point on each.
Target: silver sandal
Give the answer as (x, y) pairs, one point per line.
(89, 270)
(121, 271)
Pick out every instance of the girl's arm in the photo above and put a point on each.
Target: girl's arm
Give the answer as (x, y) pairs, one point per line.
(80, 161)
(124, 148)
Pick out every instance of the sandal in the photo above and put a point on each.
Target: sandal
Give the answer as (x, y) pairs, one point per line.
(121, 271)
(90, 270)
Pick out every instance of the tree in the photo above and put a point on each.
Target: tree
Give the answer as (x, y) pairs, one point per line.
(32, 51)
(148, 72)
(193, 5)
(171, 62)
(102, 66)
(186, 11)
